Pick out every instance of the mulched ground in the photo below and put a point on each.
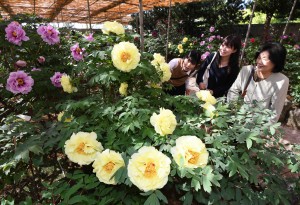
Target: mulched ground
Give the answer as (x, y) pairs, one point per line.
(291, 135)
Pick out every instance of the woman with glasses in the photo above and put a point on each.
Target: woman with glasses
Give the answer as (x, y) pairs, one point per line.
(263, 84)
(181, 68)
(220, 69)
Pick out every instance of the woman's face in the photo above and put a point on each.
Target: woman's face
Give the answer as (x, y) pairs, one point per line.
(226, 50)
(187, 65)
(263, 63)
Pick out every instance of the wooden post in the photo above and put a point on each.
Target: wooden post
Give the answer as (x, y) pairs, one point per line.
(141, 25)
(168, 30)
(247, 35)
(288, 21)
(89, 13)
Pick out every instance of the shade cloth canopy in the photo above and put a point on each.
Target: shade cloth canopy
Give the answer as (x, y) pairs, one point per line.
(80, 11)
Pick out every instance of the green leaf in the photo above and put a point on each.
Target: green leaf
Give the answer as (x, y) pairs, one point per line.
(187, 198)
(78, 199)
(152, 200)
(249, 143)
(72, 190)
(272, 130)
(195, 183)
(161, 196)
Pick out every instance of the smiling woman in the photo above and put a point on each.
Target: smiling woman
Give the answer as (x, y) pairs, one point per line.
(267, 86)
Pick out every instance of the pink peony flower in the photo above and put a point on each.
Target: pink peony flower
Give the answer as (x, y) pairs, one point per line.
(56, 78)
(202, 35)
(15, 34)
(296, 47)
(210, 39)
(252, 40)
(35, 69)
(19, 82)
(209, 46)
(202, 43)
(41, 59)
(21, 64)
(77, 52)
(204, 55)
(211, 29)
(48, 34)
(90, 37)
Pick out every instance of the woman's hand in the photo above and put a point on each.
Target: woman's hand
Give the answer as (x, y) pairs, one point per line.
(202, 86)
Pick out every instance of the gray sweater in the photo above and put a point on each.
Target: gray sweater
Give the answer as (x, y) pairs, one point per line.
(270, 93)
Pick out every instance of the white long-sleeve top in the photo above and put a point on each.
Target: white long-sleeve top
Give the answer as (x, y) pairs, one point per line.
(269, 93)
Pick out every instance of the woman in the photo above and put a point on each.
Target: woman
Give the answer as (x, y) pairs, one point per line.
(181, 68)
(264, 83)
(220, 69)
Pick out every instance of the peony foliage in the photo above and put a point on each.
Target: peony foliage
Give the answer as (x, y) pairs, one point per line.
(94, 126)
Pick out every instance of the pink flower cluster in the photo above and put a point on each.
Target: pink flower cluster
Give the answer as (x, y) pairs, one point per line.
(56, 79)
(19, 82)
(90, 37)
(77, 52)
(204, 55)
(48, 34)
(15, 33)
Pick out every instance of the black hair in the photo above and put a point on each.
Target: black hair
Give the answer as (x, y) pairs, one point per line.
(235, 42)
(277, 55)
(193, 56)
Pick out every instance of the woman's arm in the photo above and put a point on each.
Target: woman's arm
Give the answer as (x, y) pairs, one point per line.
(278, 99)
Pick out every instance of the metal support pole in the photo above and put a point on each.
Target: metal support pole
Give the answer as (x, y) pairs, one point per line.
(141, 25)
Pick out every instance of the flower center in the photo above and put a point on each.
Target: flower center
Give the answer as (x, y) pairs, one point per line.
(14, 33)
(49, 31)
(20, 81)
(150, 170)
(78, 50)
(194, 158)
(80, 148)
(109, 167)
(125, 56)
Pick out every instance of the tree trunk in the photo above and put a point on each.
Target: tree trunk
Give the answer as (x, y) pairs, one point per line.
(266, 34)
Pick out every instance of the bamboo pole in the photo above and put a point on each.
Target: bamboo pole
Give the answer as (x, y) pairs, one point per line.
(288, 21)
(141, 25)
(168, 29)
(89, 15)
(248, 32)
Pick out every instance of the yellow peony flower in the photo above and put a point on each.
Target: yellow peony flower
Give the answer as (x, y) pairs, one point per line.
(209, 110)
(179, 46)
(123, 89)
(158, 59)
(66, 84)
(113, 27)
(164, 123)
(148, 169)
(61, 114)
(180, 50)
(125, 56)
(169, 45)
(206, 96)
(165, 68)
(82, 147)
(185, 39)
(190, 152)
(106, 164)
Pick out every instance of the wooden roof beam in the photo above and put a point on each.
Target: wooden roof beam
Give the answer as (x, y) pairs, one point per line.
(58, 6)
(103, 9)
(6, 8)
